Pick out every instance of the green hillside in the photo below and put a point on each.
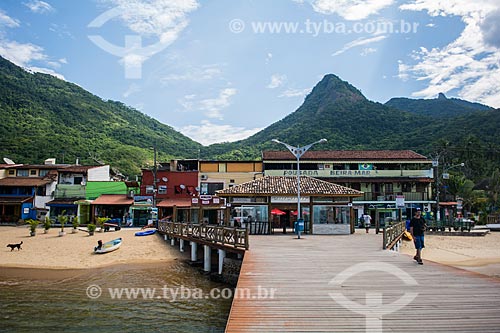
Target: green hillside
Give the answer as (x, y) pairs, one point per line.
(44, 117)
(440, 107)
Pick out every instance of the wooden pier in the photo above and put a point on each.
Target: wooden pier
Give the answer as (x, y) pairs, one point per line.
(349, 284)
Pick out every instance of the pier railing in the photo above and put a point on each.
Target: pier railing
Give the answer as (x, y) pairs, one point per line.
(392, 234)
(215, 234)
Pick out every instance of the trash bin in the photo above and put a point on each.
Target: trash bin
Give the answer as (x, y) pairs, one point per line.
(299, 226)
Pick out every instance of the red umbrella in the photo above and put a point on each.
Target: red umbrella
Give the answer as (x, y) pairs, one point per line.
(305, 212)
(277, 211)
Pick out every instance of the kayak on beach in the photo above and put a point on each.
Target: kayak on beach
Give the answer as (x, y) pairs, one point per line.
(145, 232)
(108, 246)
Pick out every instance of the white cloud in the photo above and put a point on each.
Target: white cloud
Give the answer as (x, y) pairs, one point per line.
(351, 9)
(8, 21)
(491, 29)
(46, 71)
(295, 92)
(358, 42)
(21, 54)
(277, 80)
(164, 19)
(469, 64)
(367, 50)
(195, 74)
(211, 107)
(132, 89)
(208, 133)
(39, 7)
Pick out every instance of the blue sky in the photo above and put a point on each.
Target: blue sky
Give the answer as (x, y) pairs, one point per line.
(222, 70)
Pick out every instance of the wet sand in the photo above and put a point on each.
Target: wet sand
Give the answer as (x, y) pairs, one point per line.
(478, 254)
(75, 251)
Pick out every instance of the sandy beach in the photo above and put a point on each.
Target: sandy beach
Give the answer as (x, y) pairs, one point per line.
(75, 251)
(480, 254)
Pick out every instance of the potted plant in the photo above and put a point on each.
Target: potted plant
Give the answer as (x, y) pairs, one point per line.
(63, 218)
(33, 224)
(91, 228)
(101, 221)
(47, 223)
(75, 223)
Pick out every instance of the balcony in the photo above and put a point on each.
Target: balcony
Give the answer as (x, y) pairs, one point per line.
(64, 191)
(378, 196)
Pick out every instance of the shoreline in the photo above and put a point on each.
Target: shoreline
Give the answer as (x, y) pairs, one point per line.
(476, 254)
(74, 251)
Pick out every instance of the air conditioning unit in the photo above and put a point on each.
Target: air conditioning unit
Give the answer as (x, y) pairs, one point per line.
(204, 177)
(427, 208)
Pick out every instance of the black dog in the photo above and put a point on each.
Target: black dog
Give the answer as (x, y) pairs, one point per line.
(13, 246)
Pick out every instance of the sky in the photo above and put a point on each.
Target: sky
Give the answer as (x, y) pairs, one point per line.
(222, 70)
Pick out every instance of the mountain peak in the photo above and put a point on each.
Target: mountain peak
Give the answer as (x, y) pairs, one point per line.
(332, 89)
(442, 96)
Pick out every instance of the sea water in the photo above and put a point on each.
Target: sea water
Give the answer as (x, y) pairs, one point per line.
(87, 300)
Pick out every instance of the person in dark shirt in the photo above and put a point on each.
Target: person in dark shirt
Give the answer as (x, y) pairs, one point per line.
(417, 229)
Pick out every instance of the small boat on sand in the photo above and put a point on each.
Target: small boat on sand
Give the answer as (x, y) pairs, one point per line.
(108, 246)
(145, 232)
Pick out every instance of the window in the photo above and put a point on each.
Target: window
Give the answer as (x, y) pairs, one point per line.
(162, 189)
(43, 173)
(78, 180)
(331, 215)
(12, 172)
(22, 173)
(149, 189)
(210, 188)
(32, 172)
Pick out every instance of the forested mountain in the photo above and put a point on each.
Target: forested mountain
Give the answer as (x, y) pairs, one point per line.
(337, 111)
(47, 117)
(44, 117)
(440, 107)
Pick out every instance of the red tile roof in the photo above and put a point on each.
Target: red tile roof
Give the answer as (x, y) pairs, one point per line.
(372, 155)
(113, 199)
(24, 181)
(281, 185)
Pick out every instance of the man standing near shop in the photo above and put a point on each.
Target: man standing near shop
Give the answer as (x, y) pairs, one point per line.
(417, 229)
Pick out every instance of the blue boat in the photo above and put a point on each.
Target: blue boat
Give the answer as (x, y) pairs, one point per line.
(145, 232)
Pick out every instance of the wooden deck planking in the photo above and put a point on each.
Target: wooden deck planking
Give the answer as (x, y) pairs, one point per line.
(448, 299)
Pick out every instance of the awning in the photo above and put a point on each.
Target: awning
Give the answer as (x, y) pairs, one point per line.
(14, 200)
(62, 203)
(180, 202)
(113, 199)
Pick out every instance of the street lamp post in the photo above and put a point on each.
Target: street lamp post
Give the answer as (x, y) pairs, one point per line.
(298, 152)
(435, 163)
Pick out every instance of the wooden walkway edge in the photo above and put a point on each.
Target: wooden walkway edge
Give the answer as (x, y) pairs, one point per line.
(349, 284)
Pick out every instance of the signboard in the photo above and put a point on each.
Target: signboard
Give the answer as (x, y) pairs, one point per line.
(400, 201)
(289, 199)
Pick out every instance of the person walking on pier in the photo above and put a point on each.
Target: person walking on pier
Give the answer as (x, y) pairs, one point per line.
(368, 221)
(417, 229)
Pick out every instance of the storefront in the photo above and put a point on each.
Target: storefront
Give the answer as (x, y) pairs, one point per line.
(268, 205)
(113, 206)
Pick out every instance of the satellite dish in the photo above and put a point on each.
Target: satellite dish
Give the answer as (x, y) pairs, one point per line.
(8, 160)
(165, 179)
(182, 186)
